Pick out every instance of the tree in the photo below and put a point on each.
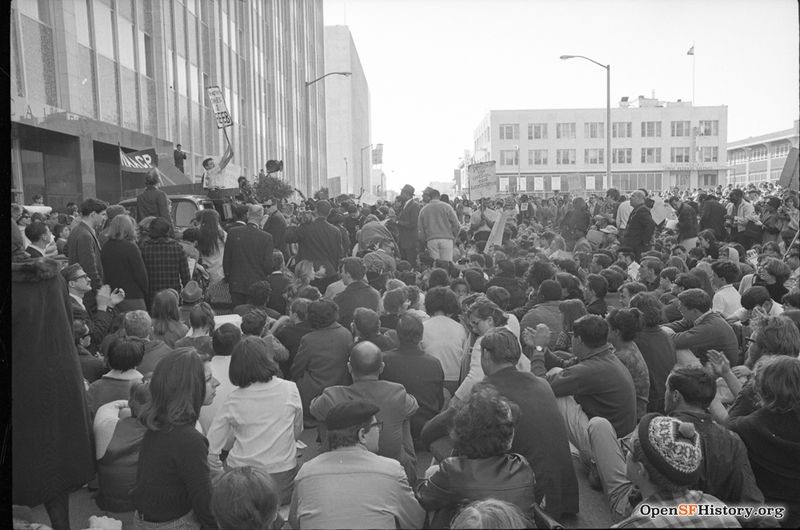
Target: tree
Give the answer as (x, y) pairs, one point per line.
(269, 187)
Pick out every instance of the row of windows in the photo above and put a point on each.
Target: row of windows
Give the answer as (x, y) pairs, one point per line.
(649, 129)
(759, 153)
(649, 155)
(575, 182)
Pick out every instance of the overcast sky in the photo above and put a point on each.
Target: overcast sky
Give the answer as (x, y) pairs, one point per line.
(436, 67)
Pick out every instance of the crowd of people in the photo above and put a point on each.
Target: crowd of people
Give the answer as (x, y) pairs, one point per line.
(649, 341)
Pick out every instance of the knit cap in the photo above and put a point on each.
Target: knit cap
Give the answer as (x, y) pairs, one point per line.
(672, 447)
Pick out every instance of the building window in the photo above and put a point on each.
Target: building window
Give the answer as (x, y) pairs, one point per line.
(509, 131)
(679, 155)
(537, 131)
(709, 128)
(651, 129)
(780, 150)
(593, 156)
(621, 155)
(709, 154)
(621, 129)
(565, 156)
(537, 157)
(39, 62)
(594, 129)
(680, 128)
(565, 131)
(651, 155)
(508, 157)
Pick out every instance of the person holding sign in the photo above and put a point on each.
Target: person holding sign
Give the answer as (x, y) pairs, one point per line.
(214, 175)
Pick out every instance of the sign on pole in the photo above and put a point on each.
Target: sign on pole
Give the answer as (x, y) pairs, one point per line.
(482, 180)
(221, 113)
(138, 161)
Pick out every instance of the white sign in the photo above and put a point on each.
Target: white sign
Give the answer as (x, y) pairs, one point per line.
(555, 183)
(220, 109)
(482, 180)
(522, 184)
(590, 182)
(538, 183)
(503, 183)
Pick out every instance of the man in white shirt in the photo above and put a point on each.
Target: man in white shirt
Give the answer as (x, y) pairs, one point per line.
(727, 300)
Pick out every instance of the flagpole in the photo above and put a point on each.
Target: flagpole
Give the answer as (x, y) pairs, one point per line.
(119, 150)
(693, 59)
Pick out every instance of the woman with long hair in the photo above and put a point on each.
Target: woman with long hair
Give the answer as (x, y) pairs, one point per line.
(571, 310)
(656, 347)
(263, 416)
(623, 327)
(211, 243)
(174, 485)
(166, 315)
(303, 276)
(123, 267)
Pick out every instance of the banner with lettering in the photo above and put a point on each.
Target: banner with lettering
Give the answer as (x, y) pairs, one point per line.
(138, 161)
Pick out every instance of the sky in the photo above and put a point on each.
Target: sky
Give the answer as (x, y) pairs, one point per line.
(436, 67)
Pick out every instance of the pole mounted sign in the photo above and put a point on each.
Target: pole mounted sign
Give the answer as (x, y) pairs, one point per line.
(482, 180)
(221, 113)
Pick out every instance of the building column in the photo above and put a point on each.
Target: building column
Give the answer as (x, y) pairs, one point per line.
(88, 183)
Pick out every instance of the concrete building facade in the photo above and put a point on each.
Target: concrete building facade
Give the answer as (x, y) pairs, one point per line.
(654, 145)
(760, 159)
(89, 75)
(347, 108)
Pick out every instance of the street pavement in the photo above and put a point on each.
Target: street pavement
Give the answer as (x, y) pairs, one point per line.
(594, 511)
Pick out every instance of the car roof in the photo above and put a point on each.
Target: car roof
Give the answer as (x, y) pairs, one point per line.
(196, 198)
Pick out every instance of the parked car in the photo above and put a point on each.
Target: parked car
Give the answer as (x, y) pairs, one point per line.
(183, 209)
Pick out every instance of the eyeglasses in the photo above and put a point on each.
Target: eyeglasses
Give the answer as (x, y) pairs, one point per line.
(378, 424)
(749, 340)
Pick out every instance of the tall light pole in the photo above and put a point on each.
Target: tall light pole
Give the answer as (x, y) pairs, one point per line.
(518, 167)
(361, 156)
(309, 179)
(608, 183)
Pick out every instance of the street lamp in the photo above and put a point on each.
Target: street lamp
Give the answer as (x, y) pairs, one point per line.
(361, 156)
(518, 167)
(608, 112)
(308, 127)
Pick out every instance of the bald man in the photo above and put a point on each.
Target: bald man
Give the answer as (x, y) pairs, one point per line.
(639, 232)
(396, 405)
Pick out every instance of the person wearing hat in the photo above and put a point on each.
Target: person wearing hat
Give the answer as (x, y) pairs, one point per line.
(407, 217)
(610, 238)
(191, 294)
(663, 458)
(350, 486)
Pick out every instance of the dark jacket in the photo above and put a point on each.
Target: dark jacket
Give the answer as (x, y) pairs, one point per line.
(276, 226)
(575, 224)
(422, 376)
(709, 332)
(712, 217)
(541, 437)
(84, 248)
(544, 313)
(247, 258)
(152, 202)
(98, 322)
(603, 387)
(117, 468)
(278, 281)
(725, 471)
(166, 265)
(124, 268)
(407, 223)
(687, 222)
(357, 294)
(321, 361)
(639, 231)
(319, 242)
(658, 352)
(461, 480)
(513, 285)
(51, 431)
(598, 307)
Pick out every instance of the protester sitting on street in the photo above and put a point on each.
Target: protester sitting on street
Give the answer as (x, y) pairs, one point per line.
(366, 326)
(655, 346)
(702, 329)
(571, 310)
(263, 417)
(167, 325)
(482, 465)
(99, 320)
(123, 358)
(356, 293)
(395, 303)
(224, 340)
(254, 323)
(378, 493)
(727, 300)
(258, 297)
(118, 437)
(92, 366)
(246, 497)
(594, 294)
(138, 327)
(201, 320)
(624, 326)
(173, 483)
(321, 359)
(628, 290)
(547, 311)
(443, 337)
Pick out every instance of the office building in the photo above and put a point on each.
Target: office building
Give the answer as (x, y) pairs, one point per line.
(89, 75)
(347, 116)
(654, 145)
(760, 159)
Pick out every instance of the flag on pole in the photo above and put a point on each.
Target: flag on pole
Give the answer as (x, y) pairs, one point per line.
(138, 161)
(691, 50)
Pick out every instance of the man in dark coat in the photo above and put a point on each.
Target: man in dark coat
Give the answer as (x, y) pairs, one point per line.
(51, 429)
(83, 247)
(687, 222)
(639, 232)
(540, 434)
(407, 219)
(357, 292)
(99, 321)
(319, 242)
(248, 255)
(276, 226)
(712, 217)
(152, 201)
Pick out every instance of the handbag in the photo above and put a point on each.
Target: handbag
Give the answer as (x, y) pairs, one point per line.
(219, 294)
